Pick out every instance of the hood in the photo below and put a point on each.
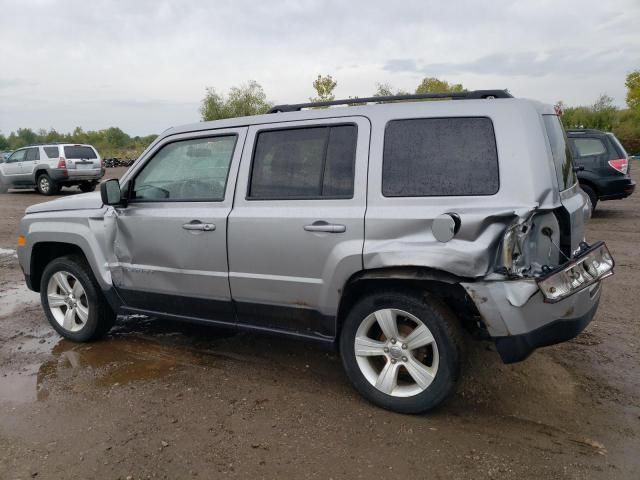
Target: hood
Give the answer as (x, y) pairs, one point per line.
(82, 201)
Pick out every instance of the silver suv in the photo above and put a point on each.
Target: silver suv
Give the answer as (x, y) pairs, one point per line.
(388, 230)
(51, 166)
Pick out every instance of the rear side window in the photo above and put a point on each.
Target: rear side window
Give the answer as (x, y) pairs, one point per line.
(79, 151)
(619, 149)
(303, 163)
(440, 157)
(586, 147)
(52, 152)
(560, 151)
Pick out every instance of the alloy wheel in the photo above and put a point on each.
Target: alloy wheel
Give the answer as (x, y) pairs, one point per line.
(67, 301)
(396, 352)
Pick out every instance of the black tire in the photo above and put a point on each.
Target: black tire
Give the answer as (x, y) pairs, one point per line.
(593, 196)
(100, 317)
(87, 187)
(445, 330)
(4, 188)
(46, 186)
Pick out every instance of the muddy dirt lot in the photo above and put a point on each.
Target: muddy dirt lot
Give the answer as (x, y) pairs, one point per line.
(164, 400)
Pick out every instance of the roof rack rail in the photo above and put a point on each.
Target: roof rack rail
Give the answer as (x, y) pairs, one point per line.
(471, 95)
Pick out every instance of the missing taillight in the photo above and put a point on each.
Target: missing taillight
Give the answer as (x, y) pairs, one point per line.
(621, 165)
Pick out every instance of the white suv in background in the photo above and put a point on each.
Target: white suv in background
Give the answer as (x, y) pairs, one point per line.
(51, 166)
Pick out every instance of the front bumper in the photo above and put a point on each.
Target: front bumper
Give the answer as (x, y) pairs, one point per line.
(519, 320)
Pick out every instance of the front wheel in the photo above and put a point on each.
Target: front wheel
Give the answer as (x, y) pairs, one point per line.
(402, 351)
(72, 300)
(3, 185)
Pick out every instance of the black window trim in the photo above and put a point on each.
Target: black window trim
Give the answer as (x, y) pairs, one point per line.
(384, 140)
(324, 162)
(131, 181)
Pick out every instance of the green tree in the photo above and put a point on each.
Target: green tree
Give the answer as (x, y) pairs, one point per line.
(115, 137)
(4, 143)
(435, 85)
(241, 101)
(324, 87)
(24, 136)
(633, 89)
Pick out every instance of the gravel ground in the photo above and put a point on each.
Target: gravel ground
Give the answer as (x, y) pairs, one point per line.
(159, 399)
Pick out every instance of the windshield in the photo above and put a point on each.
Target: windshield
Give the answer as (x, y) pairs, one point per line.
(560, 152)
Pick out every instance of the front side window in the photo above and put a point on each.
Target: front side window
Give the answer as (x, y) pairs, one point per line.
(427, 157)
(17, 156)
(304, 163)
(193, 170)
(560, 152)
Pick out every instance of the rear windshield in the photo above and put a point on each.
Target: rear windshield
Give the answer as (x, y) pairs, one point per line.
(439, 157)
(560, 151)
(79, 151)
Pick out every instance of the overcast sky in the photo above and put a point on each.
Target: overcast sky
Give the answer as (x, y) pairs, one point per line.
(144, 65)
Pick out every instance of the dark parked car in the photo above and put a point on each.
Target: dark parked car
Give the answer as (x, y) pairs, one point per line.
(603, 165)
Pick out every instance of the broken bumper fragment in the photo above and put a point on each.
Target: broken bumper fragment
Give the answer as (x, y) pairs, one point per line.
(522, 315)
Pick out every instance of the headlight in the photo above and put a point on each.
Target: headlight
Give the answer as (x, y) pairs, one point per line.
(592, 266)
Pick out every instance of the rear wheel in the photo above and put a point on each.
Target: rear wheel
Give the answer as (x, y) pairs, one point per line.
(593, 197)
(87, 187)
(73, 303)
(46, 186)
(401, 351)
(3, 185)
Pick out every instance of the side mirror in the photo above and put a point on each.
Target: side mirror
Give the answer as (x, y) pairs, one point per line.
(110, 192)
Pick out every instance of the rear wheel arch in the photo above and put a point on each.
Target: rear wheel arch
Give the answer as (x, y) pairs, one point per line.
(589, 184)
(420, 281)
(39, 171)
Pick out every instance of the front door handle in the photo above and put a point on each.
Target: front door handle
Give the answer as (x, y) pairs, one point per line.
(199, 226)
(322, 226)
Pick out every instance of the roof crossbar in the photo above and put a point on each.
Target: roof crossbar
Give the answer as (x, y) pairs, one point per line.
(471, 95)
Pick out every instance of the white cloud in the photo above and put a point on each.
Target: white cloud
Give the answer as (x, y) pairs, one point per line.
(144, 65)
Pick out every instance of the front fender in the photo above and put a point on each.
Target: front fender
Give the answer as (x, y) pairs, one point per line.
(86, 233)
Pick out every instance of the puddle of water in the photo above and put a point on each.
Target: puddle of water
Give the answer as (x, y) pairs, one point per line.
(15, 297)
(6, 252)
(119, 360)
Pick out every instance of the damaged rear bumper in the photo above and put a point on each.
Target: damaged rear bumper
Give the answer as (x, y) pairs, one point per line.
(519, 320)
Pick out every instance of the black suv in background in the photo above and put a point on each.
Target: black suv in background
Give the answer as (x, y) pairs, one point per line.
(603, 165)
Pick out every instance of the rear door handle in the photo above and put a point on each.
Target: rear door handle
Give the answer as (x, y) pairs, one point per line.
(322, 226)
(199, 226)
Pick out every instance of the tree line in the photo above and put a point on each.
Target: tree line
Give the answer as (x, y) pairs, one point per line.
(250, 99)
(110, 142)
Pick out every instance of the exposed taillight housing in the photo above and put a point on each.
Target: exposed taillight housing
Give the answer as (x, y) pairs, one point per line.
(621, 165)
(62, 163)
